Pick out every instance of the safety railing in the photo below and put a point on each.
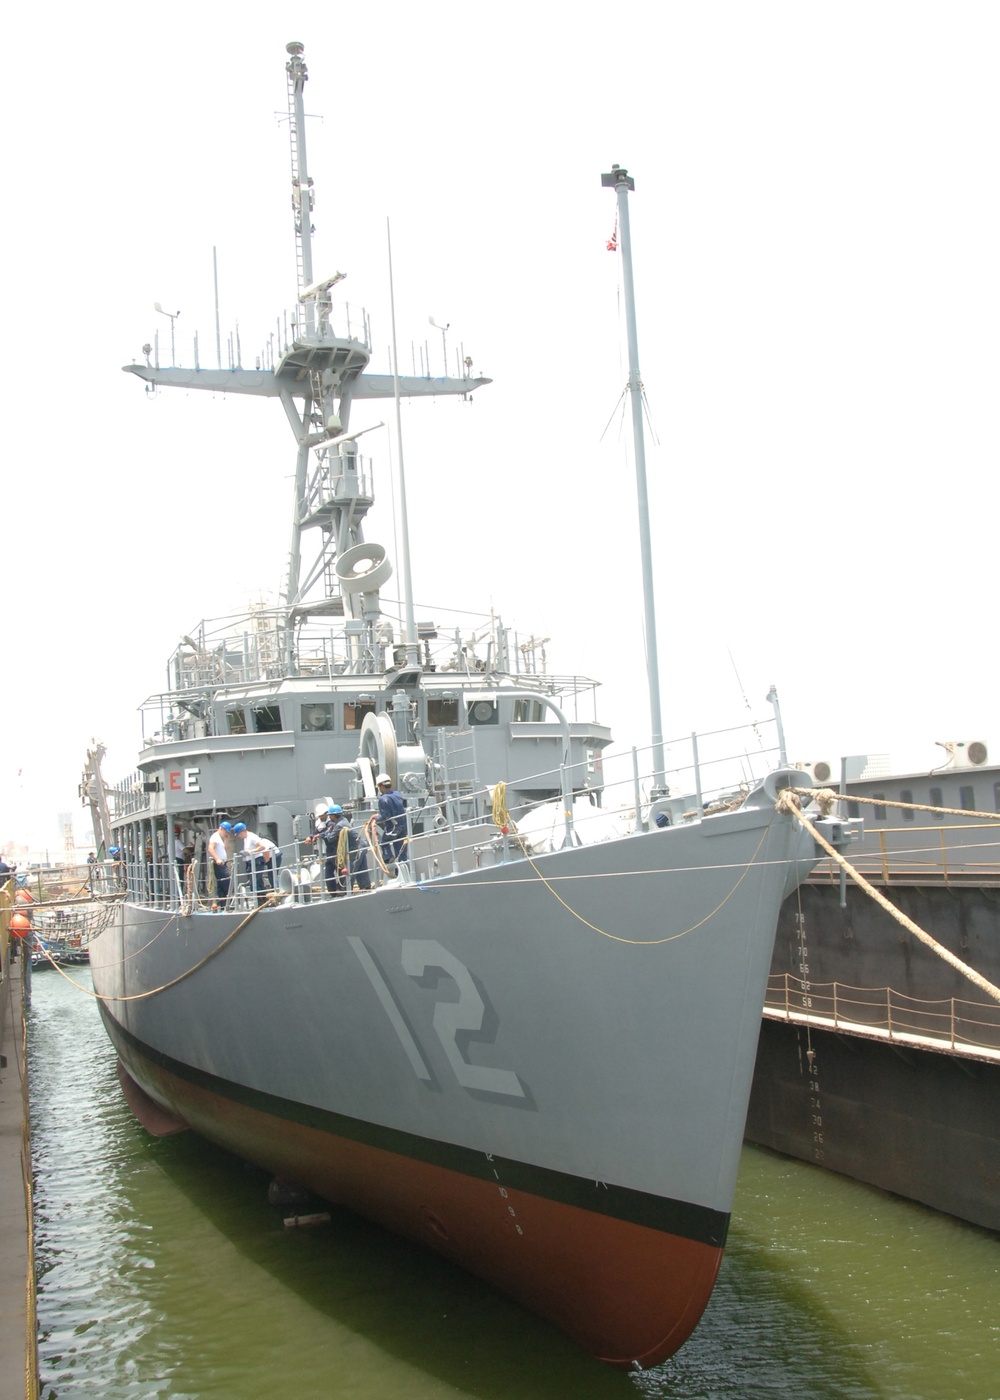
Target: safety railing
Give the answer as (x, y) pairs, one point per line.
(319, 321)
(459, 823)
(951, 851)
(304, 870)
(328, 321)
(271, 643)
(949, 1022)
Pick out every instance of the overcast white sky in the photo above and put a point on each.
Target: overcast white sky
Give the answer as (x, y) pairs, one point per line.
(816, 227)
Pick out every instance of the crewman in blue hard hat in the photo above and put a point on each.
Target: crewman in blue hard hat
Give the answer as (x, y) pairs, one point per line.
(264, 857)
(328, 837)
(218, 854)
(118, 871)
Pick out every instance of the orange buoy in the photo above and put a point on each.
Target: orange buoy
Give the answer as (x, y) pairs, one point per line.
(20, 925)
(24, 896)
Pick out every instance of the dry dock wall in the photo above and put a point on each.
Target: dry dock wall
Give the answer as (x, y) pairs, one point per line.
(18, 1327)
(921, 1120)
(916, 1122)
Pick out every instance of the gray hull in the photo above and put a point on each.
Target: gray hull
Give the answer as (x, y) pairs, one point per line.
(540, 1070)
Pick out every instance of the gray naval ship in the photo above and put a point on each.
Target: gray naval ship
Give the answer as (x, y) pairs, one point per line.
(526, 1038)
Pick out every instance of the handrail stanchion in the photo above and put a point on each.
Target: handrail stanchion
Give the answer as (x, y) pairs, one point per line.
(567, 802)
(448, 809)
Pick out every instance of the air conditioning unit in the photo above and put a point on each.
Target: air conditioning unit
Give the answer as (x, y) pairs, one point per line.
(825, 772)
(970, 753)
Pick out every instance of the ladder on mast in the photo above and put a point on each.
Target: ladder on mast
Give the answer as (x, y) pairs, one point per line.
(303, 199)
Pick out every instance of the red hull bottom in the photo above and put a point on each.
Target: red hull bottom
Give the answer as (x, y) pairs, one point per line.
(627, 1294)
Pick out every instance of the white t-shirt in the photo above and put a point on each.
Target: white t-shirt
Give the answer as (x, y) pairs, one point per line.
(217, 848)
(254, 845)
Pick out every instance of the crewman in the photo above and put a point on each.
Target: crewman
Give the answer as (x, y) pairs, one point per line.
(328, 835)
(392, 820)
(357, 849)
(264, 857)
(119, 871)
(218, 852)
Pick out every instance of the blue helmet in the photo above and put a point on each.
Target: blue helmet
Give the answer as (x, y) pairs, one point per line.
(225, 826)
(335, 809)
(240, 826)
(114, 850)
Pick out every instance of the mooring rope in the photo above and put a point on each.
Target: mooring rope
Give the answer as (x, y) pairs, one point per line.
(788, 801)
(154, 991)
(825, 797)
(120, 962)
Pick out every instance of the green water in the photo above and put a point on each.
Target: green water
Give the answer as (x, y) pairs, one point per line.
(162, 1272)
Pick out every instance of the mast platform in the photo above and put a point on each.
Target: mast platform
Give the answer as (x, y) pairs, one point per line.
(268, 384)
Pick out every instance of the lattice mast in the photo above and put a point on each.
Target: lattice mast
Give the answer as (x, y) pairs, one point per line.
(323, 367)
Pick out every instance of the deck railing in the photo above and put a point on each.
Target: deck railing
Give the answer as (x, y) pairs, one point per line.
(336, 320)
(453, 826)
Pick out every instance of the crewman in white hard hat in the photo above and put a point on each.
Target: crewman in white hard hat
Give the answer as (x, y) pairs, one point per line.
(391, 820)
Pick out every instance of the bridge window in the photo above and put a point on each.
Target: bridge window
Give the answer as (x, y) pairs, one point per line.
(317, 718)
(996, 797)
(967, 798)
(528, 711)
(442, 713)
(936, 797)
(355, 711)
(236, 719)
(879, 811)
(906, 796)
(267, 718)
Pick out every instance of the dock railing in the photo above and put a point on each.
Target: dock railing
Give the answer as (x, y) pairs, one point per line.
(949, 1023)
